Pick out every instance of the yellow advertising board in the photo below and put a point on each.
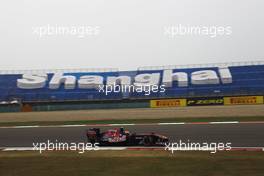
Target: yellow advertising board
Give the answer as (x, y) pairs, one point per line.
(165, 103)
(243, 100)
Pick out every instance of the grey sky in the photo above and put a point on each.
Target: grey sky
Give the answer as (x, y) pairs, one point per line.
(131, 33)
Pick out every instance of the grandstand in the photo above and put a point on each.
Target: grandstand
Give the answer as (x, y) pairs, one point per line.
(246, 79)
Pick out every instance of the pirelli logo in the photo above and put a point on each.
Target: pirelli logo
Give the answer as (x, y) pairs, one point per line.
(243, 100)
(167, 103)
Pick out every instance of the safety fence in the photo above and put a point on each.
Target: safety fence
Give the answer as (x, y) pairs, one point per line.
(118, 104)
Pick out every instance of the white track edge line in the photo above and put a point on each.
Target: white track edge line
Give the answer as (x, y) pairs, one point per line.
(129, 124)
(5, 149)
(231, 122)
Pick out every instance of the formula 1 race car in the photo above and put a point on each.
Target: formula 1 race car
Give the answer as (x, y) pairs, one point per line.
(121, 137)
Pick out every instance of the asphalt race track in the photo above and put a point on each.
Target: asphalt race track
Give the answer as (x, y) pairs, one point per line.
(240, 135)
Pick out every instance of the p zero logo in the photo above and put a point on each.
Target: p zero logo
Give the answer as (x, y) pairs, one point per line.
(205, 101)
(243, 100)
(167, 103)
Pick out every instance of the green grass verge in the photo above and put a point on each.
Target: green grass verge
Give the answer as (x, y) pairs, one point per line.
(130, 163)
(201, 119)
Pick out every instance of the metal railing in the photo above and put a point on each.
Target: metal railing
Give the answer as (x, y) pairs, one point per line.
(84, 70)
(94, 70)
(226, 64)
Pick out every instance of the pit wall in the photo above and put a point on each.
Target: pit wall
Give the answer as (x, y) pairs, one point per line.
(118, 104)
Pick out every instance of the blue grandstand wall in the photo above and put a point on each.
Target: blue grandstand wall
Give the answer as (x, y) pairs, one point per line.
(174, 83)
